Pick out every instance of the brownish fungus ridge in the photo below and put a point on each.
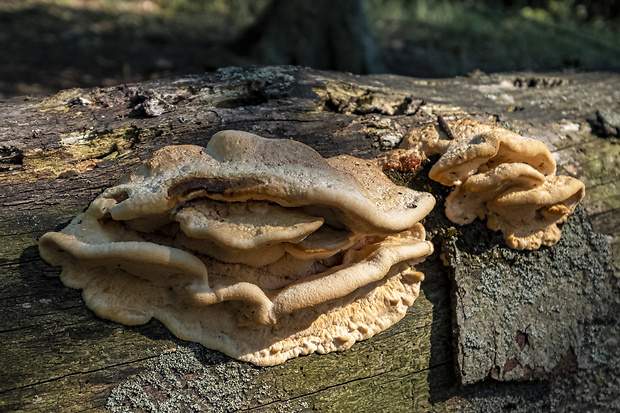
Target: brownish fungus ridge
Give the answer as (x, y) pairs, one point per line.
(501, 176)
(259, 248)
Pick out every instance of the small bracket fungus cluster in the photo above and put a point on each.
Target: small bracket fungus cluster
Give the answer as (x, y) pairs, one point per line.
(259, 248)
(499, 175)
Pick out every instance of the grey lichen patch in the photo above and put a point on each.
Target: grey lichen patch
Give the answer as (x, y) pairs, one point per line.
(598, 387)
(519, 314)
(592, 387)
(193, 379)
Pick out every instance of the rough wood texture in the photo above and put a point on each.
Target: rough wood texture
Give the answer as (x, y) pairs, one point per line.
(534, 309)
(58, 153)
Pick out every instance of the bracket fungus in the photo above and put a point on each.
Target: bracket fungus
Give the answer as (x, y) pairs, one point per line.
(259, 248)
(499, 175)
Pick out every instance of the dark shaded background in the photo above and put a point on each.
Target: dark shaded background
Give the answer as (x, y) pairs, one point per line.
(48, 45)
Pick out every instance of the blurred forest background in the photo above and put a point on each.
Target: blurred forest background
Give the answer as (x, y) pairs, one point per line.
(48, 45)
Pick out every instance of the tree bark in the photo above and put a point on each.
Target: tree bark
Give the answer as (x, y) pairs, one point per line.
(58, 153)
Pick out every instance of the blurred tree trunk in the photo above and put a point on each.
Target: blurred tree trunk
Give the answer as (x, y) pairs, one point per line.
(322, 34)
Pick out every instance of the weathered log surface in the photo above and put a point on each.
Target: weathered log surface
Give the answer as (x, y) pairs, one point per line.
(58, 153)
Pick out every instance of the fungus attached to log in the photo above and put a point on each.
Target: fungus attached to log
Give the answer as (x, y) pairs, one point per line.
(501, 176)
(259, 248)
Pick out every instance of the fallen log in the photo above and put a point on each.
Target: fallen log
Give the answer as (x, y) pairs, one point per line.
(493, 328)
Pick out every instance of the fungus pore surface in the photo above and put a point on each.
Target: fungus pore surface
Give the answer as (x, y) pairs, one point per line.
(499, 175)
(259, 248)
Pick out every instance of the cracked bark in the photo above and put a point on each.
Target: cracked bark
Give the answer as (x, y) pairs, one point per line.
(58, 153)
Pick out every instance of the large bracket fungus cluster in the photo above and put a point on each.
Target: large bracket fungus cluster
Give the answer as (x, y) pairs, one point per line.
(499, 175)
(264, 250)
(259, 248)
